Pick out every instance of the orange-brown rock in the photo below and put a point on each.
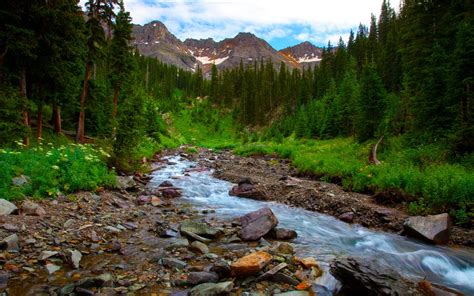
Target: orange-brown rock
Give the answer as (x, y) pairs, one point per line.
(304, 285)
(250, 264)
(308, 262)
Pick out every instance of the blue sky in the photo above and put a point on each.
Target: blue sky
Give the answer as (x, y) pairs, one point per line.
(281, 23)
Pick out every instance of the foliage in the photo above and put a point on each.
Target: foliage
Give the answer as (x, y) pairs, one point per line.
(53, 170)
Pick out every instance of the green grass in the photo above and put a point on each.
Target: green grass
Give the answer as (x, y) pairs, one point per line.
(53, 169)
(421, 172)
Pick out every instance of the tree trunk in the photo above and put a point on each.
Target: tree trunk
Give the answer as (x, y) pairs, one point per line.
(116, 95)
(373, 153)
(57, 119)
(24, 112)
(39, 123)
(82, 112)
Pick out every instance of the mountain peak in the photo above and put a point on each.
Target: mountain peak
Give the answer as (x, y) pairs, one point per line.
(304, 52)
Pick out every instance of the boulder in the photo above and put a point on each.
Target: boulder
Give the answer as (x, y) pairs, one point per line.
(199, 228)
(7, 208)
(196, 278)
(32, 209)
(250, 264)
(256, 224)
(125, 182)
(370, 276)
(20, 180)
(170, 192)
(433, 229)
(347, 217)
(199, 247)
(156, 201)
(282, 234)
(212, 289)
(248, 190)
(166, 184)
(177, 243)
(308, 262)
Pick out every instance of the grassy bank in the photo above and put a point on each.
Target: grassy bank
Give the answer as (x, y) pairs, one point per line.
(421, 176)
(48, 170)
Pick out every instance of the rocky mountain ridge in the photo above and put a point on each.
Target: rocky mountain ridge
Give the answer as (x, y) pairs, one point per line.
(155, 40)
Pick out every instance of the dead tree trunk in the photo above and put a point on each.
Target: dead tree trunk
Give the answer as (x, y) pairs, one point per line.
(57, 119)
(82, 112)
(24, 112)
(39, 124)
(373, 153)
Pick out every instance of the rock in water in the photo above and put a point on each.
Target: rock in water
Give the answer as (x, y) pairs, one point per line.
(32, 209)
(434, 229)
(199, 247)
(211, 289)
(166, 184)
(282, 234)
(125, 183)
(250, 264)
(369, 276)
(347, 217)
(6, 207)
(256, 224)
(248, 190)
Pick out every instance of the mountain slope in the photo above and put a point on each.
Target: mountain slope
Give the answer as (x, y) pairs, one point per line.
(304, 53)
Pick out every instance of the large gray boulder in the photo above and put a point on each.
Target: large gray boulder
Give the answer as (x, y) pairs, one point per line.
(6, 207)
(248, 190)
(434, 229)
(256, 224)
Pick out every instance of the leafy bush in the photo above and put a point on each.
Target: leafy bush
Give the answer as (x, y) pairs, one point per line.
(52, 170)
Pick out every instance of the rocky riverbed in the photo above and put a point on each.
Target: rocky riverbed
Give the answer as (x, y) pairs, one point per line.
(143, 239)
(269, 178)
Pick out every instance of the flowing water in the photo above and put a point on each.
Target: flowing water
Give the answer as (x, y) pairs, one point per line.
(325, 237)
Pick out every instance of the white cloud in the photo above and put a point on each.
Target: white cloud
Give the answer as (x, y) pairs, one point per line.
(266, 18)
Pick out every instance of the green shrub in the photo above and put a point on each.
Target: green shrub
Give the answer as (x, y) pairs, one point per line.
(53, 170)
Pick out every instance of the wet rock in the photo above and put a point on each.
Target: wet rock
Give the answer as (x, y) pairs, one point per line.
(347, 217)
(74, 258)
(222, 268)
(173, 263)
(284, 248)
(125, 182)
(282, 234)
(308, 262)
(434, 228)
(20, 180)
(250, 264)
(3, 280)
(196, 278)
(51, 268)
(195, 236)
(256, 224)
(211, 289)
(248, 190)
(32, 209)
(170, 192)
(200, 228)
(199, 247)
(10, 243)
(7, 208)
(370, 276)
(166, 184)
